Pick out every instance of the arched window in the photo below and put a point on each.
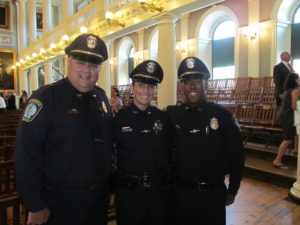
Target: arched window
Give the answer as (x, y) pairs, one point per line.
(223, 50)
(295, 44)
(154, 46)
(125, 60)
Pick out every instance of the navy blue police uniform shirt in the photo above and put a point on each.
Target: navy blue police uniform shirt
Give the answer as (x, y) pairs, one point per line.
(64, 139)
(142, 139)
(207, 143)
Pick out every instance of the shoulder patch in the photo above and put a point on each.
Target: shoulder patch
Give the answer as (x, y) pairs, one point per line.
(33, 108)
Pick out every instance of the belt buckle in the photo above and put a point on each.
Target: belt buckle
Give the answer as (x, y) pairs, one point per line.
(201, 185)
(146, 182)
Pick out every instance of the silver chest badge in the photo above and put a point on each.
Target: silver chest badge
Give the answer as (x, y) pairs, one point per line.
(158, 126)
(214, 124)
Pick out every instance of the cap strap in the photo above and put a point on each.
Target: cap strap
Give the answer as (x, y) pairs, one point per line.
(190, 72)
(146, 76)
(88, 53)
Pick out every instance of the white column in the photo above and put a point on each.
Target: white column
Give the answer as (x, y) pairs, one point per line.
(167, 59)
(104, 76)
(48, 72)
(253, 44)
(141, 34)
(21, 24)
(47, 16)
(295, 190)
(68, 9)
(23, 80)
(66, 65)
(34, 80)
(32, 21)
(184, 22)
(112, 70)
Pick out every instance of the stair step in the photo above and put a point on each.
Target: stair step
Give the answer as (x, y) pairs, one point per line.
(264, 170)
(269, 153)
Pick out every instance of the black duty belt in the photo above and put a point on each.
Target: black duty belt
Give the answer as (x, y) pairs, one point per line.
(202, 185)
(146, 180)
(75, 189)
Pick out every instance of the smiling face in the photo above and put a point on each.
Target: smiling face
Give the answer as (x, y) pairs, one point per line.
(83, 75)
(143, 94)
(194, 90)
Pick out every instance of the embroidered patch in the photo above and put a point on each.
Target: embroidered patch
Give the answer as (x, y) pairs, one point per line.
(33, 108)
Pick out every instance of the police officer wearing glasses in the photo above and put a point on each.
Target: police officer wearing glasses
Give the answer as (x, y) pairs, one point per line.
(64, 143)
(208, 146)
(141, 133)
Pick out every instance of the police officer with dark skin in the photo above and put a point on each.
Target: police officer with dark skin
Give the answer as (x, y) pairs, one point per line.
(64, 143)
(141, 134)
(207, 146)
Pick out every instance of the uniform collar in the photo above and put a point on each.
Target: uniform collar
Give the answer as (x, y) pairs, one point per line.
(199, 106)
(136, 110)
(79, 94)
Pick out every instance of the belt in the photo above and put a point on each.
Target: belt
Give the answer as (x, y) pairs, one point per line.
(74, 189)
(202, 185)
(145, 179)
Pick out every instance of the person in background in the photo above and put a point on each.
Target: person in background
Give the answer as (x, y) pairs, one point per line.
(142, 137)
(63, 151)
(280, 72)
(2, 104)
(115, 101)
(286, 117)
(10, 100)
(207, 145)
(23, 99)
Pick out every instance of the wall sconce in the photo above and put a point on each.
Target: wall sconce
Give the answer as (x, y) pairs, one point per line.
(181, 48)
(111, 62)
(150, 6)
(83, 29)
(65, 38)
(251, 37)
(111, 21)
(138, 56)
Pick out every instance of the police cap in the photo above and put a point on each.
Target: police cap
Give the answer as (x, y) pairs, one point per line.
(192, 68)
(88, 48)
(149, 72)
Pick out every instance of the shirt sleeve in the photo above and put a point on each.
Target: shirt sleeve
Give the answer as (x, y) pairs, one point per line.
(235, 150)
(31, 138)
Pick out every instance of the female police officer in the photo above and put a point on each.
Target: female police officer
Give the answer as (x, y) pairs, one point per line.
(208, 145)
(141, 132)
(63, 146)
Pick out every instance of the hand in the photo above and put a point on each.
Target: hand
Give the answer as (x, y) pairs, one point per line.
(229, 199)
(39, 217)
